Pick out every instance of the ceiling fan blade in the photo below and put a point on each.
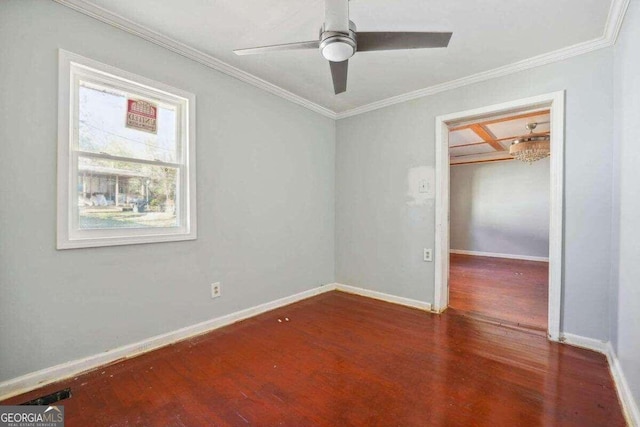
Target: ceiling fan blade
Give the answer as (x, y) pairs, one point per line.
(339, 75)
(278, 47)
(336, 16)
(368, 41)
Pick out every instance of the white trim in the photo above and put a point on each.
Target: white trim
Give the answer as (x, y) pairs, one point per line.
(40, 378)
(629, 404)
(441, 248)
(497, 255)
(422, 305)
(615, 19)
(612, 28)
(536, 61)
(66, 370)
(72, 68)
(554, 101)
(556, 214)
(173, 45)
(584, 342)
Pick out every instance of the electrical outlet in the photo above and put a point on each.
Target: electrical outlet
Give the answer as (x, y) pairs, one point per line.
(428, 255)
(216, 290)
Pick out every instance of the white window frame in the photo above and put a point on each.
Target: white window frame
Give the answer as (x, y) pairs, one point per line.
(74, 67)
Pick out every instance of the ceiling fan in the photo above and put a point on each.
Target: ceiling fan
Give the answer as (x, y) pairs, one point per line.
(339, 41)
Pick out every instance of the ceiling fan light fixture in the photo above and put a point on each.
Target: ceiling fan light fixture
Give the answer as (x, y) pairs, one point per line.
(339, 40)
(337, 48)
(531, 148)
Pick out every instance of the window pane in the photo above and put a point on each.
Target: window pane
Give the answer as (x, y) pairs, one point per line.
(125, 195)
(102, 117)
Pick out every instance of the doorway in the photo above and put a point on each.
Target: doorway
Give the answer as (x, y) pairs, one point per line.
(492, 277)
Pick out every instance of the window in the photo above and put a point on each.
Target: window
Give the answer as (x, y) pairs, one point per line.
(126, 158)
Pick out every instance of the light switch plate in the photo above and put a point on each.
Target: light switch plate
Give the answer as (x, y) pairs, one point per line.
(423, 186)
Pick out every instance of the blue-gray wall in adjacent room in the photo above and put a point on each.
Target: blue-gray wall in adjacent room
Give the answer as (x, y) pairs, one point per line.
(501, 207)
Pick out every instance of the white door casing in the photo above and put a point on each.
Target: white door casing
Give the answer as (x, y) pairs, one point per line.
(555, 101)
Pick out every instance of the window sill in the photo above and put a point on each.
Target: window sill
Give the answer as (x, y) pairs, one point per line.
(122, 240)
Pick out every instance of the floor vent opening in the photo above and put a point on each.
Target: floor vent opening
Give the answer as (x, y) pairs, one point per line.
(50, 398)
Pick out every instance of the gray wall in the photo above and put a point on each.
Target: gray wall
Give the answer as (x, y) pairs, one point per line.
(380, 234)
(501, 207)
(265, 202)
(626, 230)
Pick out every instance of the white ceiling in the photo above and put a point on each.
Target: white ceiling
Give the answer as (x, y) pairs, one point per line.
(486, 35)
(463, 137)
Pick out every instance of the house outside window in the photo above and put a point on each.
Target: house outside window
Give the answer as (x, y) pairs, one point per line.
(126, 158)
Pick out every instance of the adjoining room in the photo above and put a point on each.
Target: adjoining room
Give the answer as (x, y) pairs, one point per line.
(500, 212)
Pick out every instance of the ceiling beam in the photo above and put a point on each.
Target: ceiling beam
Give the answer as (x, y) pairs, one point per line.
(480, 158)
(487, 136)
(507, 138)
(501, 119)
(470, 162)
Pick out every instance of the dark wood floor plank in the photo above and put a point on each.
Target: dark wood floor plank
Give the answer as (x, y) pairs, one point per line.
(346, 360)
(509, 291)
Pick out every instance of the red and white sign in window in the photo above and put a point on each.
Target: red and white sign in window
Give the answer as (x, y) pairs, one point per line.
(142, 115)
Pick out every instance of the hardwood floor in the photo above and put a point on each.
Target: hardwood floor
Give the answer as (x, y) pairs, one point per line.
(345, 360)
(508, 291)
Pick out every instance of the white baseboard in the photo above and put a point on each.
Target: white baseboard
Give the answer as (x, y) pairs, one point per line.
(384, 297)
(629, 405)
(584, 342)
(496, 255)
(70, 369)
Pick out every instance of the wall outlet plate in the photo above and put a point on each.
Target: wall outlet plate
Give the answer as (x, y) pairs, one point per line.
(216, 290)
(428, 255)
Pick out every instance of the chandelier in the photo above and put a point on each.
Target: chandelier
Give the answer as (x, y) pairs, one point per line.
(531, 148)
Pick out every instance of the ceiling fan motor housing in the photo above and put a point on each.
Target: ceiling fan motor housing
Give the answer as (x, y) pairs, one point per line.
(338, 46)
(338, 42)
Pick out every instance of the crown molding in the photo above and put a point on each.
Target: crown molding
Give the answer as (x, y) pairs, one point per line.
(515, 67)
(615, 19)
(148, 34)
(614, 23)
